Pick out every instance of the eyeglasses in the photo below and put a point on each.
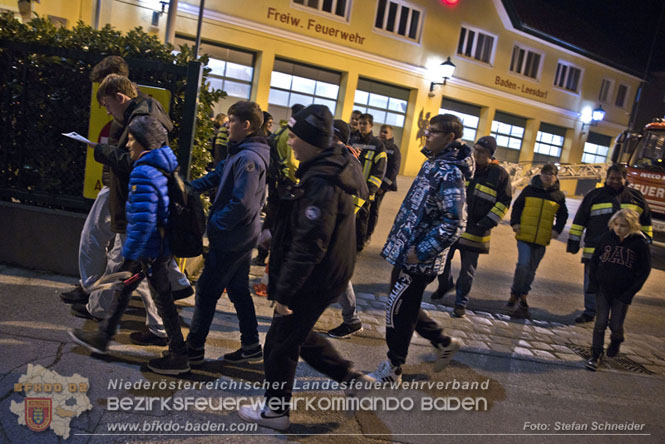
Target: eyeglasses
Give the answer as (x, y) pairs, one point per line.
(430, 132)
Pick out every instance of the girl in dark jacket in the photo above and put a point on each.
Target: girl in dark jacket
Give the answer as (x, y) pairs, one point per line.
(619, 267)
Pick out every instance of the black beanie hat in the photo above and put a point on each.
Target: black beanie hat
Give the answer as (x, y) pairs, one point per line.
(489, 143)
(314, 125)
(342, 130)
(149, 132)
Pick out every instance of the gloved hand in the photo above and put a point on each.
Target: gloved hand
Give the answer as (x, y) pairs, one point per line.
(573, 246)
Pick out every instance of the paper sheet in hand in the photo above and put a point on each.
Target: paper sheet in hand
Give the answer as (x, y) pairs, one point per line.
(77, 136)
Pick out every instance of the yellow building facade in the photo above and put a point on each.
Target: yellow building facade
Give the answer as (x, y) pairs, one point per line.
(381, 56)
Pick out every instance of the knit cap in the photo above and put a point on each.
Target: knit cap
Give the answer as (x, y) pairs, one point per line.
(314, 125)
(489, 143)
(342, 130)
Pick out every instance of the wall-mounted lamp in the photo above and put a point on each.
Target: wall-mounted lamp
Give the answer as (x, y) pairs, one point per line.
(592, 117)
(445, 71)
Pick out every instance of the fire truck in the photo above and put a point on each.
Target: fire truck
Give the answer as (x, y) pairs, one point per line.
(643, 154)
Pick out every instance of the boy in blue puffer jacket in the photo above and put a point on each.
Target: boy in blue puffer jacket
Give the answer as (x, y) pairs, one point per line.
(146, 250)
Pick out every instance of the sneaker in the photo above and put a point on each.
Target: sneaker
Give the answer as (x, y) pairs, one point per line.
(345, 330)
(593, 362)
(171, 364)
(584, 318)
(195, 356)
(182, 293)
(458, 312)
(265, 417)
(513, 298)
(387, 372)
(94, 341)
(81, 311)
(359, 383)
(439, 293)
(75, 296)
(146, 337)
(252, 355)
(613, 349)
(444, 354)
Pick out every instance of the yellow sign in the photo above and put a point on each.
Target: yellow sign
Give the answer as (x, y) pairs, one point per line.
(98, 131)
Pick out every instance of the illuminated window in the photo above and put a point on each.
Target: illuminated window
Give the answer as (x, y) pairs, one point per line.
(596, 148)
(400, 18)
(386, 103)
(476, 44)
(549, 143)
(468, 114)
(509, 133)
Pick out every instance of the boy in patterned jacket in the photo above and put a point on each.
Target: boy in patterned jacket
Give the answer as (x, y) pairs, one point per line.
(429, 221)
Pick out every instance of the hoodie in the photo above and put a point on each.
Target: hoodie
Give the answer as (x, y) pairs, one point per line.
(234, 222)
(148, 204)
(313, 245)
(432, 215)
(535, 210)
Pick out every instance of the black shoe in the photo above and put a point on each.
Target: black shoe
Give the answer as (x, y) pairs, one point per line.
(146, 337)
(345, 330)
(81, 311)
(613, 349)
(75, 296)
(583, 318)
(513, 298)
(196, 357)
(253, 355)
(93, 341)
(171, 364)
(458, 312)
(593, 362)
(182, 293)
(523, 303)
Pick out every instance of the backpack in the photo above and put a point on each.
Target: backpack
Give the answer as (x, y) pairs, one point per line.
(187, 221)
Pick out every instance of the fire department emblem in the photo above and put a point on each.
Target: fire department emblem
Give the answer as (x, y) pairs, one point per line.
(38, 413)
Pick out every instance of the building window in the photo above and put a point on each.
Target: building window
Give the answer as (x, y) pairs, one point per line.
(468, 114)
(476, 44)
(400, 18)
(293, 83)
(386, 103)
(336, 8)
(509, 133)
(622, 92)
(525, 61)
(549, 143)
(596, 148)
(605, 90)
(567, 76)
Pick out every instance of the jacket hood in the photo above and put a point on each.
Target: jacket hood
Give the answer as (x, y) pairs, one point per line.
(339, 166)
(458, 154)
(537, 182)
(145, 105)
(162, 158)
(256, 143)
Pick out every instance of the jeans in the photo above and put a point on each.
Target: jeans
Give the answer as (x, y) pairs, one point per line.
(230, 270)
(589, 298)
(528, 258)
(95, 238)
(404, 315)
(348, 302)
(290, 337)
(466, 274)
(163, 299)
(609, 310)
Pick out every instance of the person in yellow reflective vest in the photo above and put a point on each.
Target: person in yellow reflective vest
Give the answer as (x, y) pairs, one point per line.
(374, 160)
(593, 216)
(488, 197)
(539, 215)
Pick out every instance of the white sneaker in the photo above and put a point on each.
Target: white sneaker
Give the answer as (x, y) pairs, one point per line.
(445, 354)
(265, 417)
(387, 372)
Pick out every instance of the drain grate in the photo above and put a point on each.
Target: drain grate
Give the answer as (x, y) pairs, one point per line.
(618, 363)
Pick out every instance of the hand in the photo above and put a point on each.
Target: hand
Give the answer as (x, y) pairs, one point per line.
(555, 234)
(516, 228)
(283, 309)
(412, 256)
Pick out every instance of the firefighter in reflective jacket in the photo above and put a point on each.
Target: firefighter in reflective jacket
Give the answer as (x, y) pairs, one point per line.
(489, 194)
(373, 159)
(593, 215)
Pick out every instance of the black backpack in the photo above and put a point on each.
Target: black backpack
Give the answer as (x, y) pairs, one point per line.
(187, 221)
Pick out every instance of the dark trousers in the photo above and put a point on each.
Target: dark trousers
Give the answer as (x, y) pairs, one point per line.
(374, 212)
(290, 337)
(158, 278)
(404, 315)
(362, 223)
(609, 310)
(230, 270)
(467, 272)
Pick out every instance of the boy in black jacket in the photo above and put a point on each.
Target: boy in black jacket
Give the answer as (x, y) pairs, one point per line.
(619, 267)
